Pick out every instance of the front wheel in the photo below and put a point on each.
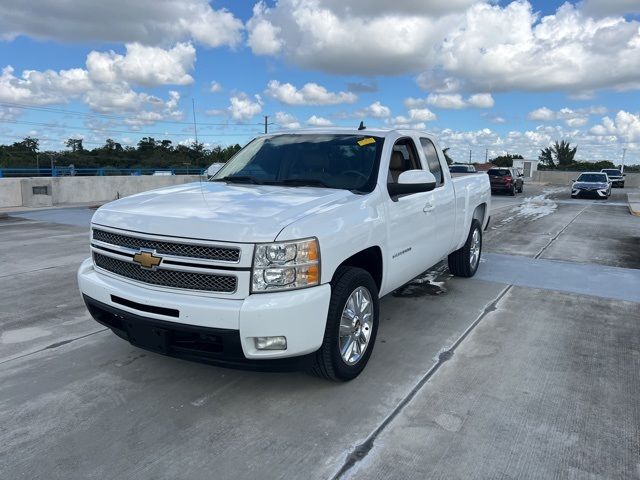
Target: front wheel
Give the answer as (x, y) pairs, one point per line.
(464, 262)
(512, 192)
(352, 325)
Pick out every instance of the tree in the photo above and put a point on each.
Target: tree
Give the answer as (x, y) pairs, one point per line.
(546, 158)
(446, 156)
(75, 144)
(563, 153)
(28, 144)
(146, 143)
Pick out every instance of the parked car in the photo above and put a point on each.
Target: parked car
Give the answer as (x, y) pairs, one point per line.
(615, 176)
(591, 185)
(286, 251)
(508, 180)
(457, 168)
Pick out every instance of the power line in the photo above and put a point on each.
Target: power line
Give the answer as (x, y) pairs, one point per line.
(113, 116)
(127, 132)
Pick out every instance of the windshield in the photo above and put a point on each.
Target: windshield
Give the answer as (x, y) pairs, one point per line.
(593, 177)
(613, 173)
(347, 162)
(499, 173)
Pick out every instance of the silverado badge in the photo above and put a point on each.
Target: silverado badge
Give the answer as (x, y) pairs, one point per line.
(147, 259)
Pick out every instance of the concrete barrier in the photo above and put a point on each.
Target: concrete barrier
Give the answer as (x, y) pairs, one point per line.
(554, 177)
(10, 192)
(47, 191)
(634, 203)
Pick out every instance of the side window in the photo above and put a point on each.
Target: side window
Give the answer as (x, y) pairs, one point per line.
(403, 157)
(432, 160)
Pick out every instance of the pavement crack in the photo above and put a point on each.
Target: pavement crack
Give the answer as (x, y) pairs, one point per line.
(559, 233)
(52, 346)
(363, 449)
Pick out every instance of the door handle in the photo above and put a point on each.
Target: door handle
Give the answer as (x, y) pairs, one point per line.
(428, 208)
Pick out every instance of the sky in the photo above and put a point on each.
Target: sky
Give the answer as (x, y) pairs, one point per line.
(486, 77)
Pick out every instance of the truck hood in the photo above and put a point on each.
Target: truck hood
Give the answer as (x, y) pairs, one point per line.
(218, 211)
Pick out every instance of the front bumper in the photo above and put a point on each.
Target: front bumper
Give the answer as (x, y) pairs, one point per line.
(127, 307)
(580, 193)
(617, 183)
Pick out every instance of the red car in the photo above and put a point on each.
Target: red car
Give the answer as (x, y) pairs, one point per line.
(507, 180)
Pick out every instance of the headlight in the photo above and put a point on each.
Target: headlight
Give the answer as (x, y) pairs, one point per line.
(285, 265)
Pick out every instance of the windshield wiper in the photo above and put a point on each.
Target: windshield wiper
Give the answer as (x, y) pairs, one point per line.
(239, 179)
(311, 182)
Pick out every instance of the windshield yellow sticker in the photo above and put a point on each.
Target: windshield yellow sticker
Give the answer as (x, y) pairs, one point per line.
(366, 141)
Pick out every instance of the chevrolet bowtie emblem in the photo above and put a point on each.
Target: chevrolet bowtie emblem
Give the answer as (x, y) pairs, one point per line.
(147, 259)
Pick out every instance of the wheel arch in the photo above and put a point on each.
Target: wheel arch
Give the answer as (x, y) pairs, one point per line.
(480, 214)
(369, 259)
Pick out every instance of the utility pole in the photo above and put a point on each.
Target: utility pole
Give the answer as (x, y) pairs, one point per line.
(266, 123)
(624, 152)
(486, 156)
(469, 156)
(195, 128)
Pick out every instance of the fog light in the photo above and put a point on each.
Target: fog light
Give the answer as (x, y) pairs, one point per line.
(271, 343)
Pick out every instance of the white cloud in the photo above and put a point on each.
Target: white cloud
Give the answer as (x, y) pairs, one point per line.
(243, 107)
(455, 100)
(309, 94)
(398, 7)
(610, 7)
(625, 125)
(510, 48)
(542, 114)
(141, 65)
(375, 110)
(319, 121)
(486, 48)
(415, 118)
(286, 120)
(263, 35)
(446, 100)
(105, 86)
(573, 118)
(481, 100)
(215, 87)
(150, 22)
(43, 88)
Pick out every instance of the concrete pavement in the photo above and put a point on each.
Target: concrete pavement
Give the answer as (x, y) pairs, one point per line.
(493, 377)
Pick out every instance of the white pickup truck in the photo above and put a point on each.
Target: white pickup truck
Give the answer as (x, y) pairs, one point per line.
(286, 251)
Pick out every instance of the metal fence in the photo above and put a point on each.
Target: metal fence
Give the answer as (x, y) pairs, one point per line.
(96, 172)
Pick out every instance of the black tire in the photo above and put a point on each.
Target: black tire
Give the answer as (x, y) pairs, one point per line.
(521, 188)
(512, 192)
(460, 260)
(327, 362)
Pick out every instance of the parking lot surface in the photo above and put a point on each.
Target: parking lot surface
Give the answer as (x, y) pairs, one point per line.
(531, 369)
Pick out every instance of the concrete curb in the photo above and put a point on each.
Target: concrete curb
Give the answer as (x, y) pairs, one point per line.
(634, 203)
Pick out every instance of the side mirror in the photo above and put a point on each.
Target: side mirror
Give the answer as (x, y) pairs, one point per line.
(573, 180)
(412, 181)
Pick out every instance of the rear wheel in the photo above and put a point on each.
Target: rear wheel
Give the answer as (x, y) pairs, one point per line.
(464, 262)
(352, 325)
(512, 192)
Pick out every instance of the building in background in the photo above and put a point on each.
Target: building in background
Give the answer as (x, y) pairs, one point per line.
(526, 166)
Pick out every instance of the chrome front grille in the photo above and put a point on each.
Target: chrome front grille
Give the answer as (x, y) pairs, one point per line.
(221, 254)
(167, 278)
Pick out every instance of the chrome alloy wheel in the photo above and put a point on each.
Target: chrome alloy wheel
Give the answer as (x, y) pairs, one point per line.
(474, 248)
(356, 325)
